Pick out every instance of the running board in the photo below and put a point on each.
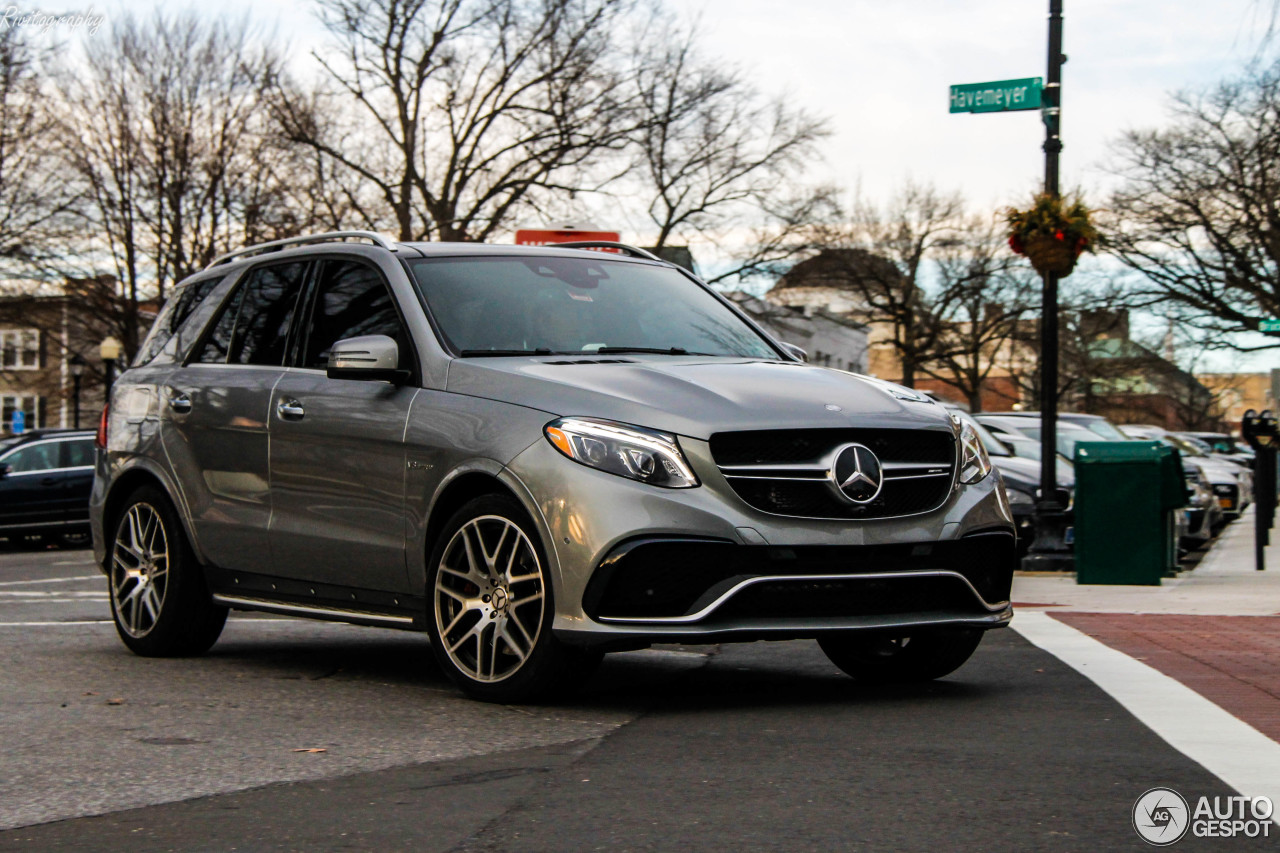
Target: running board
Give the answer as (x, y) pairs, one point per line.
(291, 608)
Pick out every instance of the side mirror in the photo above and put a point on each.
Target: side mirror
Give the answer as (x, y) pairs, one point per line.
(794, 351)
(369, 357)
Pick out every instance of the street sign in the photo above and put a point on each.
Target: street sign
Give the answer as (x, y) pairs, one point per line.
(1269, 325)
(997, 96)
(546, 237)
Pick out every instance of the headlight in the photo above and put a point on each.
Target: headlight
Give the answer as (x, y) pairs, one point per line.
(974, 464)
(628, 451)
(1017, 497)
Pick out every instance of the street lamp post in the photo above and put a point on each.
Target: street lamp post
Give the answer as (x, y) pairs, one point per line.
(1050, 549)
(109, 350)
(77, 365)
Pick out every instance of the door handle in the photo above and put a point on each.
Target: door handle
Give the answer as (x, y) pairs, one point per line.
(290, 409)
(180, 403)
(49, 481)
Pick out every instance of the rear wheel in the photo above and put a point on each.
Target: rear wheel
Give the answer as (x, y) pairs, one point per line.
(886, 658)
(492, 606)
(159, 600)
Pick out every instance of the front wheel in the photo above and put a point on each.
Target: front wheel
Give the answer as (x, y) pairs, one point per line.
(492, 606)
(885, 658)
(159, 600)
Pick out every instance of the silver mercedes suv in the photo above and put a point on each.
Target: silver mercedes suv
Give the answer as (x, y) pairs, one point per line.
(536, 456)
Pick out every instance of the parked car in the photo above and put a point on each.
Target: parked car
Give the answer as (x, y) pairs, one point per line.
(1203, 514)
(1021, 476)
(1232, 483)
(1096, 424)
(534, 455)
(45, 480)
(1221, 446)
(1068, 434)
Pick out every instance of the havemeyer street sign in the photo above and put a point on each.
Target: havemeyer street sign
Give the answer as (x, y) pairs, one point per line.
(997, 96)
(1269, 325)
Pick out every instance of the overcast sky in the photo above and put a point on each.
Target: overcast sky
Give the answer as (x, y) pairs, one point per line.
(880, 70)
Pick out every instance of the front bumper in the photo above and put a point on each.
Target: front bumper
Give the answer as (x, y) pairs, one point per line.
(632, 563)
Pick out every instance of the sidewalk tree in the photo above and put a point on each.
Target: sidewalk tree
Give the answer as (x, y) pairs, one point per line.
(1197, 215)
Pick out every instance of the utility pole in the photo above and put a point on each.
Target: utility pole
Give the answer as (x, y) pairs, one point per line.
(1050, 549)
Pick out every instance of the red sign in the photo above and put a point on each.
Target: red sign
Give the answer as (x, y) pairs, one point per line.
(544, 237)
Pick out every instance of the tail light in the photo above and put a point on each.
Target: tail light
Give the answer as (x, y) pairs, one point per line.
(100, 441)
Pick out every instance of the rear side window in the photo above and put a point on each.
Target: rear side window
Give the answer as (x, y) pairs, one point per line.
(351, 300)
(33, 457)
(177, 309)
(78, 453)
(253, 326)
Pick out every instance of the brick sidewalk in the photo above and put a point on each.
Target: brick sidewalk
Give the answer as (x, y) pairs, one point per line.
(1233, 661)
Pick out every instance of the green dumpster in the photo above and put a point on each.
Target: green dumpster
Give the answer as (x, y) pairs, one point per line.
(1126, 494)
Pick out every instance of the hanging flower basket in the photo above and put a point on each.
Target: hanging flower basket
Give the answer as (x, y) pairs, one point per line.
(1052, 233)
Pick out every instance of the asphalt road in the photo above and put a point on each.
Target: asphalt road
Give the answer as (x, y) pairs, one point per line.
(761, 746)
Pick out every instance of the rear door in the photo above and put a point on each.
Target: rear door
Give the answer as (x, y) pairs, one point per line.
(337, 445)
(215, 413)
(31, 493)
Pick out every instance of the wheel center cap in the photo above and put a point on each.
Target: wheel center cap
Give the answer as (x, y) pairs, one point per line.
(500, 599)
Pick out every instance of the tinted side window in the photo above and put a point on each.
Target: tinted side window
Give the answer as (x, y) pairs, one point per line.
(77, 453)
(33, 457)
(262, 326)
(218, 344)
(176, 310)
(351, 300)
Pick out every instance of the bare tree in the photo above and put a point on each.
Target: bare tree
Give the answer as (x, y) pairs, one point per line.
(895, 243)
(163, 129)
(451, 116)
(978, 306)
(35, 195)
(1198, 215)
(710, 151)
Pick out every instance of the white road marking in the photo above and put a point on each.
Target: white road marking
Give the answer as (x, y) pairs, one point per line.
(97, 577)
(51, 624)
(27, 594)
(1223, 744)
(257, 621)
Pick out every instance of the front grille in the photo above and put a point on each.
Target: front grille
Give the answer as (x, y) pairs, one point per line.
(786, 472)
(676, 577)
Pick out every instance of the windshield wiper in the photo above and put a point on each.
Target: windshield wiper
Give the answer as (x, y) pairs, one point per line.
(647, 350)
(478, 353)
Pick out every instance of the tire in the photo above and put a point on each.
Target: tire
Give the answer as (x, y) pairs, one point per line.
(159, 600)
(883, 658)
(491, 604)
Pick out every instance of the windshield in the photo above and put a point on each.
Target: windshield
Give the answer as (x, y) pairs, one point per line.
(1067, 438)
(1186, 447)
(1105, 429)
(554, 305)
(989, 441)
(1029, 448)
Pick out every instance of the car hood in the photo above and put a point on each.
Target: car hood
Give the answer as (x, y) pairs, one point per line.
(692, 396)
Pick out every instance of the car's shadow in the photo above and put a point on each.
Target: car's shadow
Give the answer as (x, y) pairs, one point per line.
(711, 678)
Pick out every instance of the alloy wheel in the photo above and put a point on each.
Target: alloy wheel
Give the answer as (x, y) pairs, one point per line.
(139, 569)
(490, 599)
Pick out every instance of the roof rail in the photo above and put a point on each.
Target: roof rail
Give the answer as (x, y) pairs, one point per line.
(605, 244)
(276, 245)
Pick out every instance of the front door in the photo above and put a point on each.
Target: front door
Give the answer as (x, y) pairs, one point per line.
(31, 494)
(337, 445)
